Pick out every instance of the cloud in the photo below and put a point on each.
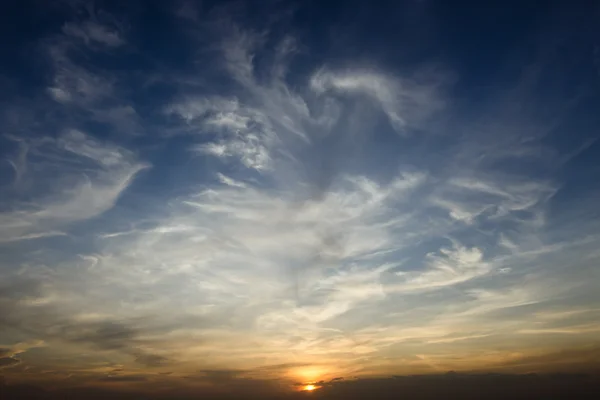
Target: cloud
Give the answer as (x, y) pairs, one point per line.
(221, 376)
(91, 31)
(493, 198)
(246, 133)
(404, 101)
(99, 333)
(151, 360)
(452, 266)
(73, 84)
(106, 335)
(124, 378)
(187, 10)
(9, 355)
(8, 362)
(83, 179)
(80, 90)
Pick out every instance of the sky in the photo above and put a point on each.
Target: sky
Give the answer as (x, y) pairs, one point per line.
(225, 197)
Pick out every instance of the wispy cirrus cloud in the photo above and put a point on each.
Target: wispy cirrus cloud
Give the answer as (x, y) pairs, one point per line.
(81, 90)
(404, 101)
(244, 133)
(92, 31)
(81, 179)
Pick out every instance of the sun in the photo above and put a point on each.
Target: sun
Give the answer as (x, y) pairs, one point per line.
(310, 388)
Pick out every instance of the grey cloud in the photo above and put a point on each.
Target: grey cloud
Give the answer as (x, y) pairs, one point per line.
(187, 10)
(48, 323)
(151, 360)
(108, 335)
(124, 378)
(585, 358)
(221, 376)
(283, 367)
(8, 362)
(82, 92)
(73, 84)
(92, 31)
(125, 337)
(20, 287)
(93, 25)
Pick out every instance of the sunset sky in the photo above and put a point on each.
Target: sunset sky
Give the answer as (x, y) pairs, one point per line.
(217, 196)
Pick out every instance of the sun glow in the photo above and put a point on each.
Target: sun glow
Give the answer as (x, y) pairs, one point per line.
(310, 388)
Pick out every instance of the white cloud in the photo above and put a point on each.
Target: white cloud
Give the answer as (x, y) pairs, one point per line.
(494, 197)
(404, 101)
(83, 178)
(245, 133)
(238, 51)
(452, 266)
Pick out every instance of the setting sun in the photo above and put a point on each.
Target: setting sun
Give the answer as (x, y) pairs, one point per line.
(310, 388)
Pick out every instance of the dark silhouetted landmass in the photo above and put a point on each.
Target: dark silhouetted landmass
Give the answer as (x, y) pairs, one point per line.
(420, 387)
